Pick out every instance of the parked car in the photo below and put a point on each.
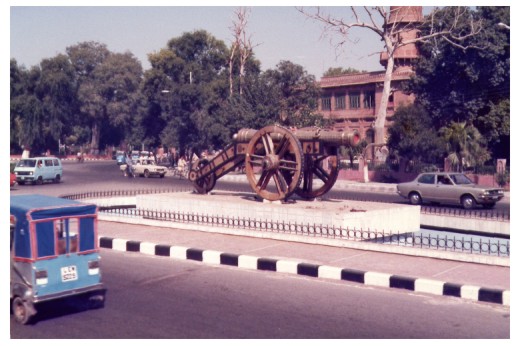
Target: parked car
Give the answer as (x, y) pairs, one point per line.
(449, 188)
(36, 170)
(13, 179)
(144, 167)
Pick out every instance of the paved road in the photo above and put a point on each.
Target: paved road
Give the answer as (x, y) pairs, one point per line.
(157, 297)
(105, 175)
(467, 279)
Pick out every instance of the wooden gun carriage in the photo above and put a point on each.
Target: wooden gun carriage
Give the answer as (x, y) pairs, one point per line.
(278, 161)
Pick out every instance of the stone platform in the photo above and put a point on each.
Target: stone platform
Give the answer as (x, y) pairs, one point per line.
(338, 213)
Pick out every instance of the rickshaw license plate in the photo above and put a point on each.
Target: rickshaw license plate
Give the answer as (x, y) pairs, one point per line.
(69, 273)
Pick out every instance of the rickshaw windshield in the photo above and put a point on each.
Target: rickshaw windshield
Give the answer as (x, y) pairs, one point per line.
(26, 163)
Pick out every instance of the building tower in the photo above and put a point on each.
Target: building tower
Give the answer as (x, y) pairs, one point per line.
(352, 101)
(404, 21)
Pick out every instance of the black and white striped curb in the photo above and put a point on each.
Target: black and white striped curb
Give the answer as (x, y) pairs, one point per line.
(428, 286)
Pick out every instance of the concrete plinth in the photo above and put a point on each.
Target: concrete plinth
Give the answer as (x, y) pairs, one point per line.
(338, 213)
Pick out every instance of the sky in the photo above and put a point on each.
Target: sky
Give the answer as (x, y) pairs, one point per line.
(277, 32)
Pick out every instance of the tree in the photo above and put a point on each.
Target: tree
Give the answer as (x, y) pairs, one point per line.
(338, 71)
(241, 48)
(42, 103)
(108, 92)
(118, 81)
(469, 85)
(187, 85)
(412, 136)
(385, 24)
(294, 95)
(465, 145)
(26, 110)
(57, 90)
(85, 58)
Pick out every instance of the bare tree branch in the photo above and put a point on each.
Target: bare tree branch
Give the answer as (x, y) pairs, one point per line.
(394, 34)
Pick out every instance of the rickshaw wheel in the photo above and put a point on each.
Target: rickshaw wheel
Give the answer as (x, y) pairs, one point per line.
(96, 301)
(21, 311)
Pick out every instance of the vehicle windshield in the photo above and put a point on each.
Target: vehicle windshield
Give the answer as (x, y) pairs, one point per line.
(26, 163)
(460, 179)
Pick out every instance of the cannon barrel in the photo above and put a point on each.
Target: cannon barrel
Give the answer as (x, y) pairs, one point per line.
(328, 137)
(278, 161)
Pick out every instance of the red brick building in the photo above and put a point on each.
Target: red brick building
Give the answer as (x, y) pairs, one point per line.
(352, 100)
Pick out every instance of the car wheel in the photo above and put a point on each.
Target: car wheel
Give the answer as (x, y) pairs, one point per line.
(415, 198)
(57, 179)
(162, 175)
(39, 181)
(21, 311)
(146, 173)
(468, 202)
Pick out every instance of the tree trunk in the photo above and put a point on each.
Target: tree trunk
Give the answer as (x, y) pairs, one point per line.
(94, 143)
(241, 81)
(231, 60)
(379, 126)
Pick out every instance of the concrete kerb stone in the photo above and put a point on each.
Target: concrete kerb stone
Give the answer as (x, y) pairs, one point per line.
(213, 257)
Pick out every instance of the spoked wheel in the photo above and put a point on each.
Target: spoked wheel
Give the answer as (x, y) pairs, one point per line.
(319, 176)
(202, 185)
(274, 163)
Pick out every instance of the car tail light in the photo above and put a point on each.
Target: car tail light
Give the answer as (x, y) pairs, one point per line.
(41, 277)
(93, 267)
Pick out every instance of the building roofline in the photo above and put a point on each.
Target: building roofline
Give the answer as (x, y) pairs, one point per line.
(362, 78)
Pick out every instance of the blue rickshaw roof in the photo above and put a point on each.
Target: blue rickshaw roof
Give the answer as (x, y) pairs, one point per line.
(42, 207)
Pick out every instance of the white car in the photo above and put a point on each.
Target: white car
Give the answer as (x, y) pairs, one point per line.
(144, 167)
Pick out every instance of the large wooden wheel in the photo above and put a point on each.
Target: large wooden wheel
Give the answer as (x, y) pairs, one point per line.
(274, 163)
(205, 184)
(319, 176)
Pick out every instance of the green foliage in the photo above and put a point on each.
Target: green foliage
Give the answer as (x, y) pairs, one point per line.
(468, 85)
(295, 95)
(338, 71)
(413, 137)
(465, 145)
(185, 89)
(503, 178)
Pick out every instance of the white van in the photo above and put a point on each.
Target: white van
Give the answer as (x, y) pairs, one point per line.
(36, 170)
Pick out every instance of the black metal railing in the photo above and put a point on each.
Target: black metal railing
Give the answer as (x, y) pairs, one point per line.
(464, 244)
(441, 242)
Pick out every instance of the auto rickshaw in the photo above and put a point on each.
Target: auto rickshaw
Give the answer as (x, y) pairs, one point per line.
(54, 253)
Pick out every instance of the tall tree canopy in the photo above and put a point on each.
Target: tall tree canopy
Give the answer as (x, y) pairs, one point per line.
(186, 84)
(472, 85)
(42, 103)
(109, 95)
(412, 136)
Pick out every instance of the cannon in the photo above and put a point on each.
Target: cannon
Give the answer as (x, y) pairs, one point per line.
(278, 161)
